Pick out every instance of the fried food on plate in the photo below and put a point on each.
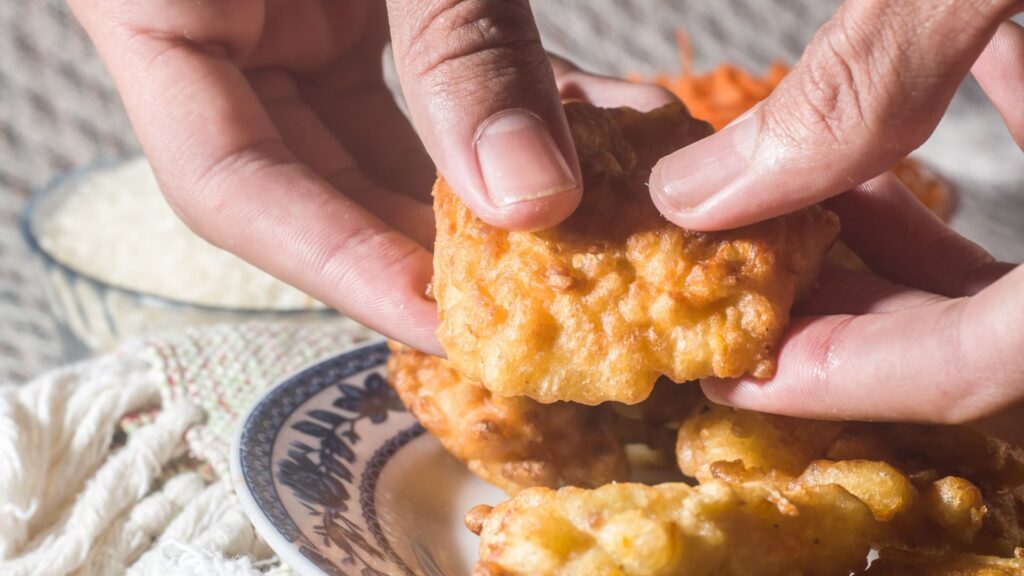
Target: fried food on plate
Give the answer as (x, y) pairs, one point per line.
(894, 501)
(513, 443)
(965, 483)
(884, 489)
(929, 453)
(897, 562)
(721, 529)
(598, 307)
(769, 444)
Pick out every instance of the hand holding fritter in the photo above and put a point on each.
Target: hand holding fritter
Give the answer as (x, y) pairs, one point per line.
(598, 307)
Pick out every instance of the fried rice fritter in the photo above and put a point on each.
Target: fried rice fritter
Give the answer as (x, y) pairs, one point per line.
(929, 452)
(720, 529)
(598, 307)
(513, 443)
(516, 443)
(963, 482)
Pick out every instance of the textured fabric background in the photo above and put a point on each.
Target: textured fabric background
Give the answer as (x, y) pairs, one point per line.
(58, 110)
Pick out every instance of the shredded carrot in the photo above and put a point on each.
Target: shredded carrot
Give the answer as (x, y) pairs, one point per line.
(929, 187)
(721, 95)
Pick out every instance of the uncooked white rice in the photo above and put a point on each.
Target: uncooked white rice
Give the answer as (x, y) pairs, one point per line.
(115, 225)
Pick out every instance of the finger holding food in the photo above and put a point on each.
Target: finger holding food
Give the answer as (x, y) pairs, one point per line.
(598, 307)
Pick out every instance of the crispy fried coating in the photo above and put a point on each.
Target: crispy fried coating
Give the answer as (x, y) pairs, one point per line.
(516, 443)
(598, 307)
(929, 453)
(720, 529)
(969, 485)
(513, 443)
(886, 491)
(920, 563)
(771, 445)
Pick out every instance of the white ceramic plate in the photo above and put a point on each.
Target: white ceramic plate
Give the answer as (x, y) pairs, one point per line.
(339, 479)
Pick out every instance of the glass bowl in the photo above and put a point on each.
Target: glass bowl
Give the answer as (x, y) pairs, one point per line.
(93, 315)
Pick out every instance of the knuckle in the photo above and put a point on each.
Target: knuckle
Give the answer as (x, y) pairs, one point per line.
(206, 195)
(473, 40)
(842, 91)
(361, 248)
(830, 92)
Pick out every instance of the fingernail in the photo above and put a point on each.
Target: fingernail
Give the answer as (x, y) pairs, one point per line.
(519, 159)
(689, 178)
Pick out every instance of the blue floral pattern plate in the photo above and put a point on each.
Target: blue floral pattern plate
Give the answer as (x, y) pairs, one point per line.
(339, 479)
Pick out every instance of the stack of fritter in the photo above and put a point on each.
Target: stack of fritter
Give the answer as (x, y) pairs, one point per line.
(550, 335)
(776, 495)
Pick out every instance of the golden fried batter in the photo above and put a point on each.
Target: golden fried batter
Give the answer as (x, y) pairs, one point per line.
(513, 443)
(599, 306)
(721, 529)
(929, 453)
(968, 484)
(884, 489)
(516, 443)
(768, 444)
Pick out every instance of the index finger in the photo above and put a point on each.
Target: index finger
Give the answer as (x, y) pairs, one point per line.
(950, 362)
(230, 176)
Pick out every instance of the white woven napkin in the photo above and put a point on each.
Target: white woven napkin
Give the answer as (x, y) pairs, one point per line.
(119, 464)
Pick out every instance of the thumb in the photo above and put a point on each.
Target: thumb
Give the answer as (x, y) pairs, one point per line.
(870, 87)
(483, 98)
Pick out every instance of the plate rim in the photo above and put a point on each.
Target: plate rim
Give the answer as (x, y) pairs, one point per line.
(288, 551)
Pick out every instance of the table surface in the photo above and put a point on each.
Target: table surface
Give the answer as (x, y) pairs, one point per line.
(59, 110)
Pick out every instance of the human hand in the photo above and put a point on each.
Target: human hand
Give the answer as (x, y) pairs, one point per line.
(935, 336)
(942, 342)
(273, 135)
(870, 88)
